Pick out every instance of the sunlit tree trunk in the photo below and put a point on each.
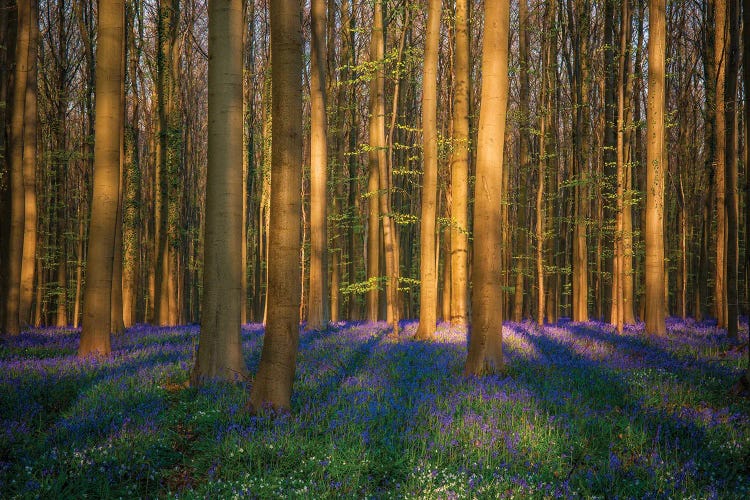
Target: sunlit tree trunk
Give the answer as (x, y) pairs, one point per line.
(372, 257)
(720, 60)
(95, 338)
(485, 340)
(459, 239)
(17, 205)
(220, 346)
(318, 311)
(28, 263)
(428, 217)
(655, 172)
(272, 388)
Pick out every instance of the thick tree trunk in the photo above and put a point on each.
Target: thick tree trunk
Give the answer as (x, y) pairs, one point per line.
(220, 346)
(17, 204)
(318, 311)
(95, 337)
(428, 219)
(655, 172)
(485, 340)
(272, 387)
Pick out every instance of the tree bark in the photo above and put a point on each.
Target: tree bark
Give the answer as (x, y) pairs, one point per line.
(17, 205)
(95, 336)
(730, 207)
(272, 387)
(485, 340)
(428, 300)
(655, 172)
(318, 309)
(460, 169)
(720, 61)
(220, 345)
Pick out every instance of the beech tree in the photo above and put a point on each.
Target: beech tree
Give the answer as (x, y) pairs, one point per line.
(95, 338)
(15, 170)
(220, 346)
(459, 235)
(486, 334)
(428, 265)
(272, 387)
(655, 171)
(317, 311)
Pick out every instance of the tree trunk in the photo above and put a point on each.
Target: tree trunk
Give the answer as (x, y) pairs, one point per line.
(730, 207)
(618, 281)
(28, 262)
(428, 218)
(545, 152)
(95, 337)
(746, 85)
(17, 203)
(220, 345)
(485, 340)
(378, 144)
(523, 162)
(460, 169)
(272, 387)
(720, 60)
(581, 21)
(131, 186)
(318, 309)
(655, 172)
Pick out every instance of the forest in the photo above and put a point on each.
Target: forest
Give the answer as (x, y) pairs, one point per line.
(374, 248)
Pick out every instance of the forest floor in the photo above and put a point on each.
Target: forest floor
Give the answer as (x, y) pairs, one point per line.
(582, 411)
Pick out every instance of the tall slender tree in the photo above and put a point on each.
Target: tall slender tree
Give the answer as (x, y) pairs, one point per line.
(485, 340)
(655, 171)
(168, 158)
(95, 336)
(730, 158)
(746, 84)
(30, 122)
(720, 62)
(272, 387)
(317, 310)
(428, 219)
(220, 346)
(379, 156)
(459, 236)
